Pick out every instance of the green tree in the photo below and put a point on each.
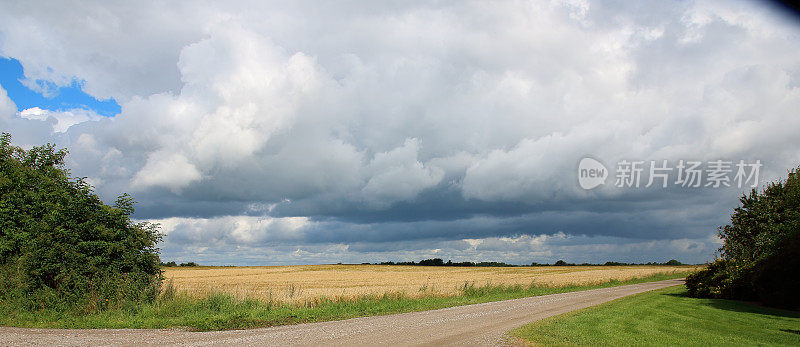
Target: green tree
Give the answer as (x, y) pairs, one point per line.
(60, 244)
(760, 254)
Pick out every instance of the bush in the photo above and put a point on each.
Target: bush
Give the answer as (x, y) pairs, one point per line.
(761, 245)
(60, 245)
(717, 280)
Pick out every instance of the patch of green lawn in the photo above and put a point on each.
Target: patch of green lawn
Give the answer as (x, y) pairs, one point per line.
(667, 317)
(221, 311)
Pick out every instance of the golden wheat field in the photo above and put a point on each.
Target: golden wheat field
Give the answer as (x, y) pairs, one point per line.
(303, 282)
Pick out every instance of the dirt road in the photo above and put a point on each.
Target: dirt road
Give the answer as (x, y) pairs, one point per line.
(481, 324)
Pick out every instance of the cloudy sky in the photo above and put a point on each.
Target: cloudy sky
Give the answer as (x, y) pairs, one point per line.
(347, 131)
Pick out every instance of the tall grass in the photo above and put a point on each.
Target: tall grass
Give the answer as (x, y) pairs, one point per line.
(220, 311)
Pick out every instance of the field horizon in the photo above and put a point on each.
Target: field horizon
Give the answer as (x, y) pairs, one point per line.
(306, 283)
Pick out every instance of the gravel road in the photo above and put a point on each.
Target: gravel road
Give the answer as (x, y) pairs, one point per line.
(480, 324)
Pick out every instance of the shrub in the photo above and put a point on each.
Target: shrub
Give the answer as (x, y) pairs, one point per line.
(761, 245)
(60, 245)
(717, 281)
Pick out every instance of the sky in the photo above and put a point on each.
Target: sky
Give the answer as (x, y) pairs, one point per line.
(307, 132)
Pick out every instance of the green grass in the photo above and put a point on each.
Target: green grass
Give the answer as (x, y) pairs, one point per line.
(667, 317)
(221, 311)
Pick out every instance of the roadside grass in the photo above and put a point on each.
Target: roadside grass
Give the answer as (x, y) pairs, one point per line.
(221, 311)
(667, 317)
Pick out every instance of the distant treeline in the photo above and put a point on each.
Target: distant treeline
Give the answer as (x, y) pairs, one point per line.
(440, 262)
(173, 264)
(671, 262)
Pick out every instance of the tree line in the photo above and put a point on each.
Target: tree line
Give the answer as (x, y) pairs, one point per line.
(441, 262)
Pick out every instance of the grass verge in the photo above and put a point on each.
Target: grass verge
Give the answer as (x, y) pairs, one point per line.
(667, 317)
(221, 311)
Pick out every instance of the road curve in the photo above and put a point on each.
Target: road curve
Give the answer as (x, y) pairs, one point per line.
(480, 324)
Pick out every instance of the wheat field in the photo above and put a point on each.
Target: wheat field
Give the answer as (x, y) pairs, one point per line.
(300, 283)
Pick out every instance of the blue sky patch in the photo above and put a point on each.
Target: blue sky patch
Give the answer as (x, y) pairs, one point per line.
(64, 98)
